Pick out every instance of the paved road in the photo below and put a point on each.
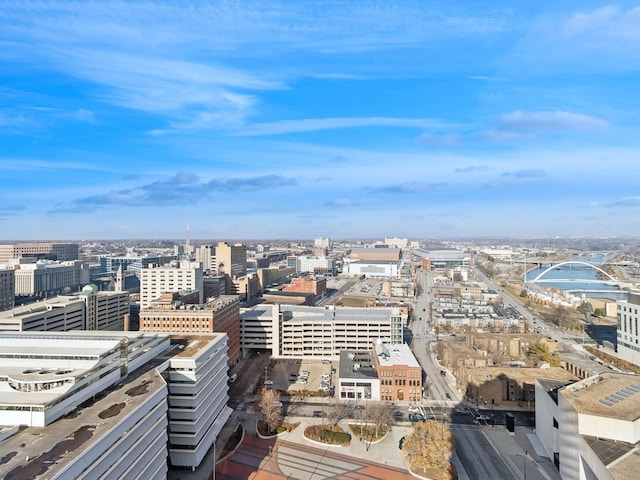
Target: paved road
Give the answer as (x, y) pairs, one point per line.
(480, 460)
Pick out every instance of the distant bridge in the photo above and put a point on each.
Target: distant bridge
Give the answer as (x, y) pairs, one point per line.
(612, 280)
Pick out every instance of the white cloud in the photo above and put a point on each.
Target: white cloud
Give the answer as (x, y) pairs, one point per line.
(315, 124)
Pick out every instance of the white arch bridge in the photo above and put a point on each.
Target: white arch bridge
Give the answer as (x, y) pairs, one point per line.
(611, 280)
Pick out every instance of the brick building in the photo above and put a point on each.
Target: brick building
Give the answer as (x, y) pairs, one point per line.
(219, 315)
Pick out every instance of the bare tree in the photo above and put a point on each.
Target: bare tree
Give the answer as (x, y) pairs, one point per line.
(380, 416)
(337, 412)
(271, 408)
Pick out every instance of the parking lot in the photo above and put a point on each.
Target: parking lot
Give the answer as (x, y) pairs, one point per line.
(287, 374)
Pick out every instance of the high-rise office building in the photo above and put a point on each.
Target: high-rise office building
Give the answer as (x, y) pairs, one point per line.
(183, 276)
(231, 259)
(7, 288)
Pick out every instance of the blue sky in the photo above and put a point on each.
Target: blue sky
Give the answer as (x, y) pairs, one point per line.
(304, 119)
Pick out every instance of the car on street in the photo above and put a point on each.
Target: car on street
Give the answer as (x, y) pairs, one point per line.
(318, 413)
(233, 378)
(413, 409)
(482, 418)
(268, 382)
(448, 395)
(416, 417)
(302, 381)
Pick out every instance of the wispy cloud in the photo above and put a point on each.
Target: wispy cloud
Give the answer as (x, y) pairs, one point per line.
(626, 202)
(445, 140)
(411, 187)
(531, 124)
(10, 210)
(315, 124)
(526, 173)
(350, 202)
(182, 188)
(472, 169)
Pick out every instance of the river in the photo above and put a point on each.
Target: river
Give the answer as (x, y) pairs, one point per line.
(572, 275)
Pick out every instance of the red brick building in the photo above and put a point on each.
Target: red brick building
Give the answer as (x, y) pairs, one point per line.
(399, 372)
(219, 315)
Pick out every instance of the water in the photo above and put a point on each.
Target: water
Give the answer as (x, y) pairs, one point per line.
(593, 286)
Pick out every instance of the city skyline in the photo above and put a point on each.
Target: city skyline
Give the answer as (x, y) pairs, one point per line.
(353, 119)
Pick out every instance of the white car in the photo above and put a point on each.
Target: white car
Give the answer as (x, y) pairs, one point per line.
(413, 409)
(482, 418)
(268, 382)
(302, 381)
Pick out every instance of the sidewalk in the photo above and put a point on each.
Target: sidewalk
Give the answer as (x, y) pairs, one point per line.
(519, 455)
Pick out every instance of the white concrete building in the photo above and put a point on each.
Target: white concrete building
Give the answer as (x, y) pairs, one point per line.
(110, 405)
(45, 277)
(591, 428)
(174, 277)
(89, 310)
(315, 264)
(198, 395)
(373, 268)
(321, 332)
(44, 376)
(628, 332)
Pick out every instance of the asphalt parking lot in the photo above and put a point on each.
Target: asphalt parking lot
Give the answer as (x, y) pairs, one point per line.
(283, 371)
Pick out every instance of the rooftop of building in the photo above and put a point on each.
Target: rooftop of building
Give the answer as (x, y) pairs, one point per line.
(356, 364)
(551, 386)
(27, 357)
(592, 367)
(395, 354)
(610, 395)
(440, 253)
(191, 346)
(333, 314)
(374, 262)
(375, 250)
(37, 307)
(44, 452)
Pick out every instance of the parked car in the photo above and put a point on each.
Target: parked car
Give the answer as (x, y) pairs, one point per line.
(268, 382)
(233, 378)
(482, 418)
(318, 413)
(302, 381)
(414, 409)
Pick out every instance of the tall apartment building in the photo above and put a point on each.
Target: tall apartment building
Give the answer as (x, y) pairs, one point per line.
(52, 251)
(7, 288)
(46, 277)
(628, 332)
(206, 255)
(89, 310)
(231, 259)
(219, 315)
(175, 277)
(322, 242)
(109, 405)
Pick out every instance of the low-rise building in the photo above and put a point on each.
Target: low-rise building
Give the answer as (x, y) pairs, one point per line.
(591, 428)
